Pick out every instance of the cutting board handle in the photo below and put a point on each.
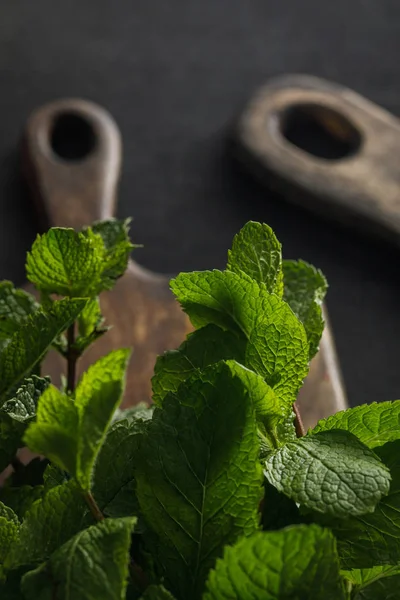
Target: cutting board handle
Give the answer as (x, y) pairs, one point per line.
(71, 153)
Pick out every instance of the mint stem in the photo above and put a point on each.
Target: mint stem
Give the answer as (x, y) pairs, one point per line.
(71, 359)
(94, 507)
(298, 423)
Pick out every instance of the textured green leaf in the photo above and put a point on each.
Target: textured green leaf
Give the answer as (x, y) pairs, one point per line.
(257, 252)
(304, 290)
(70, 433)
(373, 424)
(90, 325)
(202, 348)
(55, 432)
(92, 565)
(330, 472)
(373, 539)
(198, 477)
(297, 562)
(9, 529)
(140, 411)
(29, 343)
(157, 592)
(378, 583)
(70, 263)
(115, 234)
(49, 523)
(276, 342)
(15, 306)
(114, 476)
(97, 395)
(22, 407)
(66, 262)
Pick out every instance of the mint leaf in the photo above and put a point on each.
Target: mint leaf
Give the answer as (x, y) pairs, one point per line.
(70, 263)
(114, 476)
(198, 476)
(66, 262)
(49, 523)
(70, 433)
(373, 539)
(304, 290)
(56, 429)
(9, 529)
(374, 424)
(92, 565)
(276, 343)
(29, 343)
(378, 583)
(330, 472)
(22, 407)
(90, 325)
(115, 234)
(15, 306)
(97, 395)
(298, 562)
(257, 252)
(157, 592)
(202, 348)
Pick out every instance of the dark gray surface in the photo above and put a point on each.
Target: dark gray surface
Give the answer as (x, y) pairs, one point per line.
(174, 74)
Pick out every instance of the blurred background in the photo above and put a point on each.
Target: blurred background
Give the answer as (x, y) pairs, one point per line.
(175, 75)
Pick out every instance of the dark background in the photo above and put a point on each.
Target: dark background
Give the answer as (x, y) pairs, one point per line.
(174, 74)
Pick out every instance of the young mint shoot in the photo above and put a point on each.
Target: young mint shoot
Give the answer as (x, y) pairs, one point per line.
(215, 491)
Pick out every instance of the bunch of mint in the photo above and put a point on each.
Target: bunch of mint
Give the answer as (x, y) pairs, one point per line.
(215, 491)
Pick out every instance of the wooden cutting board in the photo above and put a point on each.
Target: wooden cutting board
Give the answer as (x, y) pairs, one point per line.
(71, 159)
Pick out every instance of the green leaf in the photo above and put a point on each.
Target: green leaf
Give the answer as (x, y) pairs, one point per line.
(373, 539)
(115, 234)
(22, 407)
(90, 566)
(49, 523)
(29, 343)
(378, 583)
(202, 348)
(257, 252)
(66, 262)
(330, 472)
(304, 290)
(157, 592)
(55, 432)
(276, 342)
(198, 477)
(298, 562)
(70, 263)
(15, 306)
(70, 433)
(97, 395)
(139, 411)
(9, 529)
(90, 325)
(374, 424)
(114, 476)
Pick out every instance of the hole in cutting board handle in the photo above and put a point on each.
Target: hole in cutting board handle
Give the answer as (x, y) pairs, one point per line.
(320, 131)
(72, 137)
